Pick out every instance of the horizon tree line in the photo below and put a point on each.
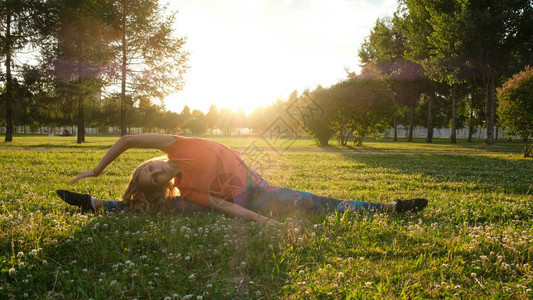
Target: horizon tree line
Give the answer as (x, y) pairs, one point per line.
(111, 63)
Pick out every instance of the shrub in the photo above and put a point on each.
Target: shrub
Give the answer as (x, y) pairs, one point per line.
(516, 106)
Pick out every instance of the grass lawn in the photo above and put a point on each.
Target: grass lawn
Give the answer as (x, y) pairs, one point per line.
(474, 240)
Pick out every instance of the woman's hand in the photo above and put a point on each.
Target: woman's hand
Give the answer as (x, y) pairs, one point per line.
(90, 173)
(272, 222)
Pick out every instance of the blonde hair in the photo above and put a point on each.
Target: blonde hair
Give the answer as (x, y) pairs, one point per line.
(141, 199)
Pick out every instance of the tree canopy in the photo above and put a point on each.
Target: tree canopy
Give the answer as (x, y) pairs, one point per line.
(516, 106)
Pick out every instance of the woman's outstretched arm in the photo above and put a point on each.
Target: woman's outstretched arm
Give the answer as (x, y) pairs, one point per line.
(237, 210)
(154, 141)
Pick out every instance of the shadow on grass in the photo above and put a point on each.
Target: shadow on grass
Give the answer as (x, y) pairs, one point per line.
(477, 172)
(131, 255)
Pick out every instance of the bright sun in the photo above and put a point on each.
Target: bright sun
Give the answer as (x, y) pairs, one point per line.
(246, 54)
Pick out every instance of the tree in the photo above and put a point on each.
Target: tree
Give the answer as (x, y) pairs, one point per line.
(385, 50)
(364, 107)
(516, 106)
(185, 117)
(76, 51)
(170, 121)
(211, 118)
(475, 39)
(149, 58)
(226, 121)
(412, 19)
(17, 22)
(318, 126)
(358, 105)
(197, 124)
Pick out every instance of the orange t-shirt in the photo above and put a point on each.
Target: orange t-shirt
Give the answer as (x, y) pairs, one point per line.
(208, 168)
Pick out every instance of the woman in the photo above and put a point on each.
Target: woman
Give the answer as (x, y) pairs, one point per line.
(207, 174)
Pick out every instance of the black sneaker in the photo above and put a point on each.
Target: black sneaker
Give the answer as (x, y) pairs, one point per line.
(416, 204)
(77, 199)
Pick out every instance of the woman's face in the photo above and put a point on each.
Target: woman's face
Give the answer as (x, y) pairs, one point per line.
(156, 173)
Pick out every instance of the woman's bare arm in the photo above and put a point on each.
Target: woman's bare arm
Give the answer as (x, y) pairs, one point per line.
(237, 210)
(154, 141)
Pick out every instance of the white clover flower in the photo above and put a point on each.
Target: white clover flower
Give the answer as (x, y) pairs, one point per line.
(209, 285)
(12, 271)
(192, 276)
(187, 257)
(20, 254)
(113, 282)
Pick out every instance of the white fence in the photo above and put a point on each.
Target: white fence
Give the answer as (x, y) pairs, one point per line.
(479, 133)
(418, 132)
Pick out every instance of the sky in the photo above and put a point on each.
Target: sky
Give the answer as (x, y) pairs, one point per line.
(249, 53)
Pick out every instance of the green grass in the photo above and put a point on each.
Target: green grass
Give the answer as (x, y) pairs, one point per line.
(474, 240)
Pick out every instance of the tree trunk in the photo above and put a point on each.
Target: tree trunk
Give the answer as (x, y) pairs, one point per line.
(429, 137)
(81, 120)
(527, 149)
(411, 123)
(9, 83)
(123, 79)
(471, 119)
(395, 129)
(81, 96)
(490, 94)
(453, 136)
